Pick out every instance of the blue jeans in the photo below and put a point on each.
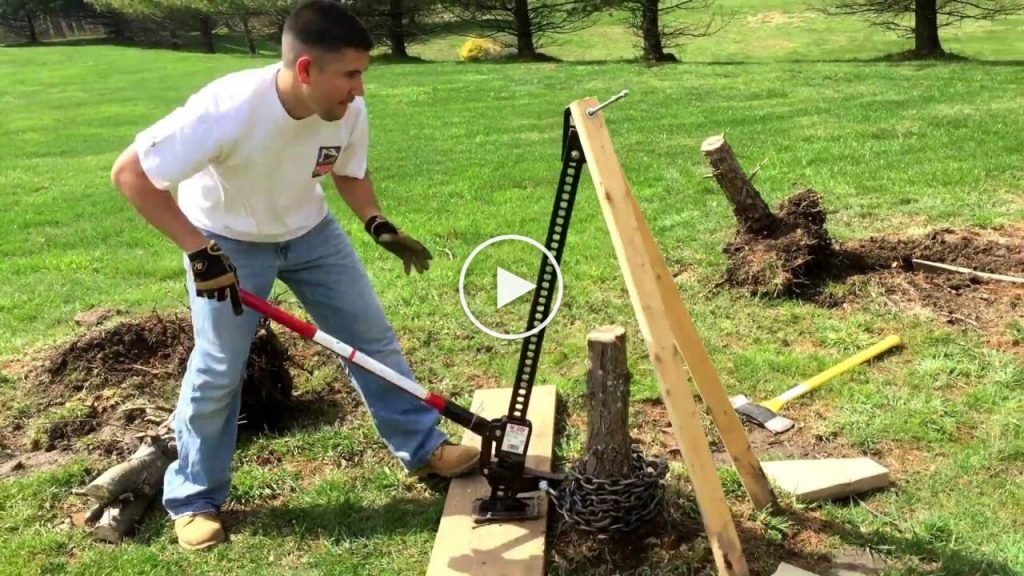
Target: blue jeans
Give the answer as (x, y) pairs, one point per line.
(325, 274)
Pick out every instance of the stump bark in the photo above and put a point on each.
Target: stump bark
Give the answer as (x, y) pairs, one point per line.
(608, 446)
(752, 213)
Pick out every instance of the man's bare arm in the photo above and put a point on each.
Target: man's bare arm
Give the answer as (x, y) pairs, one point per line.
(358, 193)
(157, 206)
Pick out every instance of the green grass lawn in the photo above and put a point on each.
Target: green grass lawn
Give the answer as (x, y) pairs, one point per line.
(457, 147)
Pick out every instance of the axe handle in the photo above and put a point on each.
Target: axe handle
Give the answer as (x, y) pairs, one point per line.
(775, 404)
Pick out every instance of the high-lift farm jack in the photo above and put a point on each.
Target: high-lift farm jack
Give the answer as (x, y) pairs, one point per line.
(505, 440)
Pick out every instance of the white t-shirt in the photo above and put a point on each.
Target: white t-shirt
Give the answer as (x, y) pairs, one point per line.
(243, 167)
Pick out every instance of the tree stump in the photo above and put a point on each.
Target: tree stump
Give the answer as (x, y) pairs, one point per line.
(785, 253)
(608, 447)
(752, 213)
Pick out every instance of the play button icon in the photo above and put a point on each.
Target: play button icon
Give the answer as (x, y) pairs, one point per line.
(495, 286)
(511, 287)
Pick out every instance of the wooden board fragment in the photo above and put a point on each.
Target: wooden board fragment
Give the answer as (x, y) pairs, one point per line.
(501, 548)
(790, 570)
(926, 266)
(640, 274)
(827, 478)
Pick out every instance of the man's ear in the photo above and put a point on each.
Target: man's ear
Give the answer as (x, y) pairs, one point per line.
(302, 66)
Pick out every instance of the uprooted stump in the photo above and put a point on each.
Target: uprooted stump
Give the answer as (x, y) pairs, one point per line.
(771, 255)
(790, 254)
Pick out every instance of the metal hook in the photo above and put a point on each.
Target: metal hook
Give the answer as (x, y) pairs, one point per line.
(595, 109)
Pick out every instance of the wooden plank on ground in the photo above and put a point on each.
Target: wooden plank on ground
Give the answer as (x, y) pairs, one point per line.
(827, 478)
(640, 274)
(501, 548)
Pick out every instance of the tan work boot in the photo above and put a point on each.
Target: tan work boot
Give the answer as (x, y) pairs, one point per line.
(199, 531)
(450, 460)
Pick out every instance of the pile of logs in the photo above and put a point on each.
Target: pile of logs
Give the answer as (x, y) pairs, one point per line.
(122, 495)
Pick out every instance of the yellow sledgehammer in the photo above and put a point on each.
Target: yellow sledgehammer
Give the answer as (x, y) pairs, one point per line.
(766, 414)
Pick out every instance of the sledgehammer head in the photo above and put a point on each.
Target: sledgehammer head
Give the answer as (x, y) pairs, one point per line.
(760, 415)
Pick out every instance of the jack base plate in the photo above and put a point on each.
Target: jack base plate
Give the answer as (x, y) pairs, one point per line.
(505, 509)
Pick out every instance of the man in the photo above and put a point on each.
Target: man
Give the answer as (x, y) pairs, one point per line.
(247, 153)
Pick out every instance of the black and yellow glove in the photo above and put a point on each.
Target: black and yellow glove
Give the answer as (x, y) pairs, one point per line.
(215, 276)
(412, 253)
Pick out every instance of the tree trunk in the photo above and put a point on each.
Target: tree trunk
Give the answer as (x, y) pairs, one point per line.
(206, 33)
(751, 212)
(926, 28)
(396, 29)
(250, 42)
(607, 450)
(524, 30)
(653, 50)
(33, 34)
(57, 29)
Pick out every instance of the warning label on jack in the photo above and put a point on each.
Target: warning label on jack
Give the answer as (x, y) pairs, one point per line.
(515, 438)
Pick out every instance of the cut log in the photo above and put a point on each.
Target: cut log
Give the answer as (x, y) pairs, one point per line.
(121, 518)
(752, 213)
(607, 450)
(142, 473)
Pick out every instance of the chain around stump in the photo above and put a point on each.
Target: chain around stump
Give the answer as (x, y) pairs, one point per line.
(615, 504)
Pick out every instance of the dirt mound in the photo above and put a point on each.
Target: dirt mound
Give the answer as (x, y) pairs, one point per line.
(136, 353)
(99, 390)
(788, 259)
(798, 259)
(997, 251)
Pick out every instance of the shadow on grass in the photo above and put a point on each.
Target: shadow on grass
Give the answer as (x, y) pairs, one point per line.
(674, 541)
(344, 519)
(923, 551)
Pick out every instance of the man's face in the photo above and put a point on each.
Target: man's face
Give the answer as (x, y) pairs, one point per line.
(333, 80)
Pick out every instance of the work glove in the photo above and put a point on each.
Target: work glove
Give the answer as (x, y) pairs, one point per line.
(412, 253)
(215, 276)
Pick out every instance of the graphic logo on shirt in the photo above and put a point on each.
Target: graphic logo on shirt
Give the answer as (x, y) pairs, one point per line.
(326, 156)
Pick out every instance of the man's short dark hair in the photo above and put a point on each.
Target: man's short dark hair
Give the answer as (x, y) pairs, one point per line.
(324, 26)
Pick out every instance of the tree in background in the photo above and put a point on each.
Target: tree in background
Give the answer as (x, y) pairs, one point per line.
(398, 24)
(928, 16)
(647, 21)
(162, 22)
(35, 20)
(524, 24)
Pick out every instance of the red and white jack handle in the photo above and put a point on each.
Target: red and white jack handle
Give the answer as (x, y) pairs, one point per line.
(445, 407)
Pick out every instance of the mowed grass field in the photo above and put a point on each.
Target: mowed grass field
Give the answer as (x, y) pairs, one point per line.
(465, 152)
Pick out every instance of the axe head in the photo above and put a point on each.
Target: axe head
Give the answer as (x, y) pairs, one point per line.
(760, 415)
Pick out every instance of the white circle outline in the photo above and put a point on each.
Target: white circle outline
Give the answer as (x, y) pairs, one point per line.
(462, 287)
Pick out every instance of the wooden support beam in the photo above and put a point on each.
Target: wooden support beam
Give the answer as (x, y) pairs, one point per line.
(462, 546)
(640, 272)
(689, 344)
